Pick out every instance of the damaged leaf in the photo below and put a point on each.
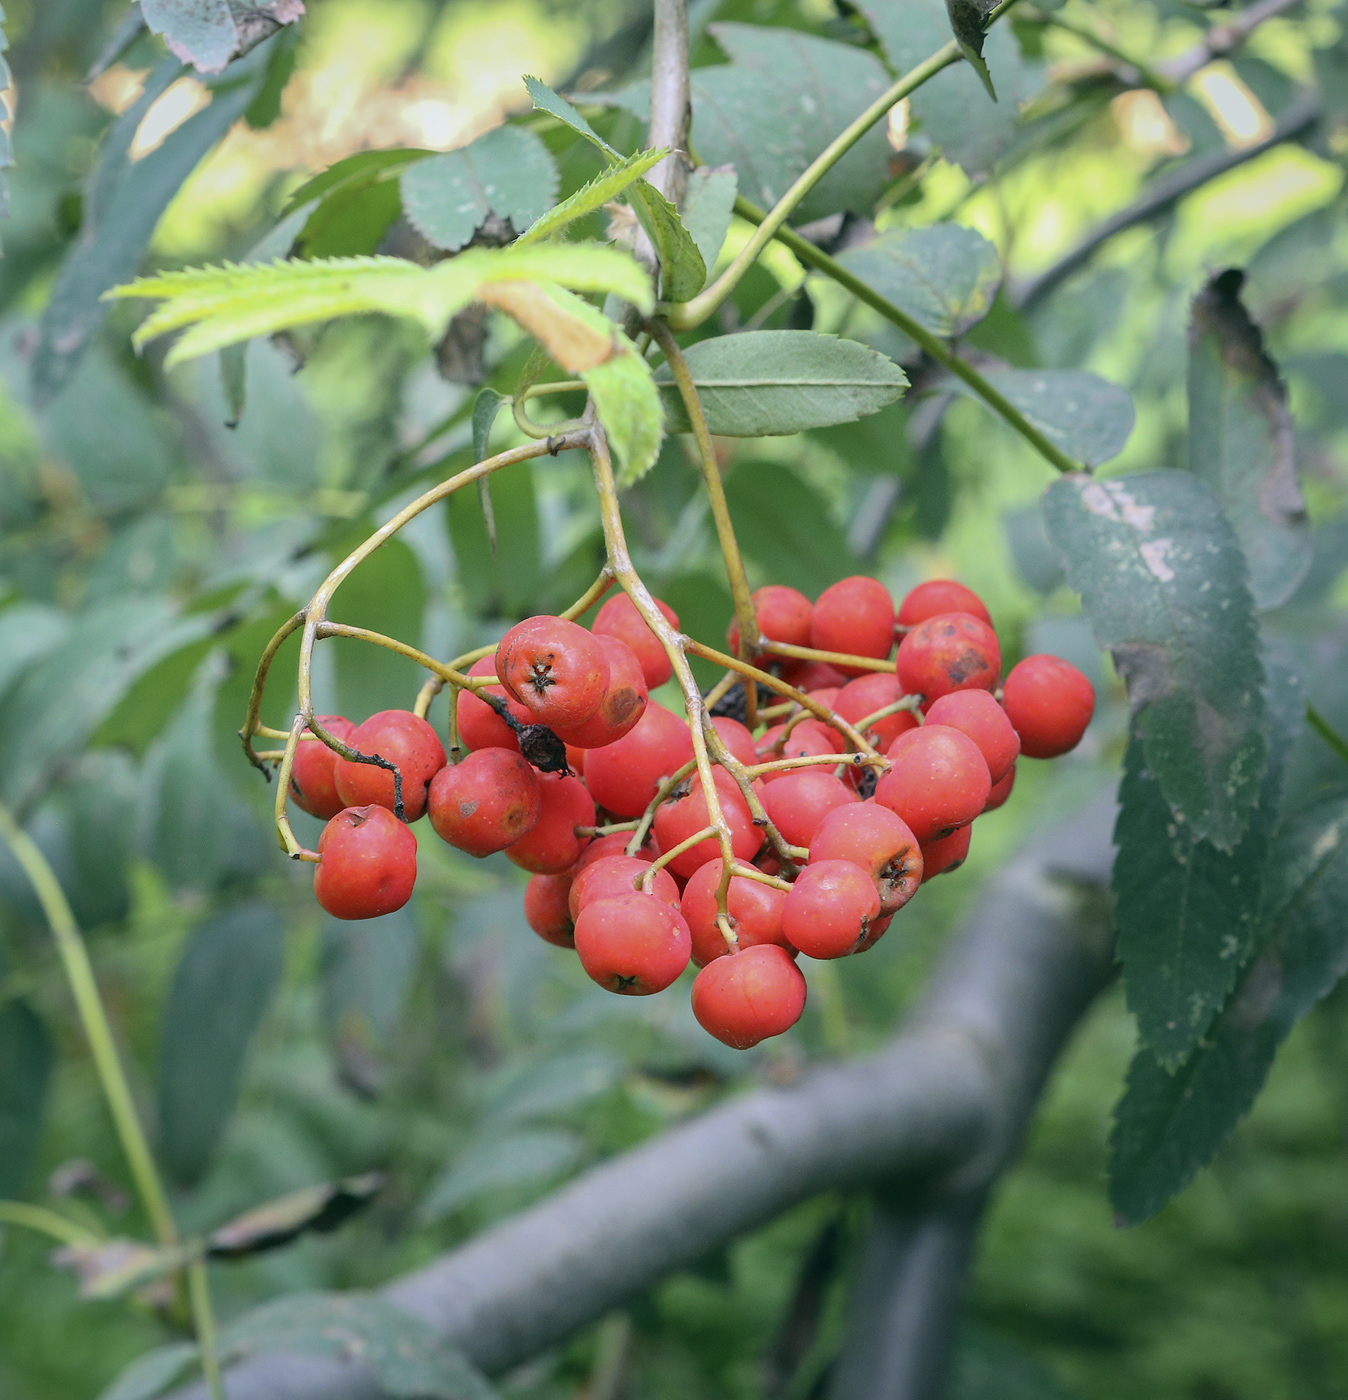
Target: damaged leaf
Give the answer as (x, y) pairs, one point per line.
(318, 1209)
(208, 34)
(968, 23)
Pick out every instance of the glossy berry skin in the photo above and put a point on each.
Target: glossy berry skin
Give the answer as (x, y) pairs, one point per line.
(939, 781)
(624, 776)
(829, 909)
(940, 595)
(402, 738)
(676, 821)
(552, 845)
(618, 875)
(368, 865)
(555, 668)
(632, 944)
(809, 739)
(486, 802)
(783, 616)
(977, 714)
(547, 910)
(867, 694)
(1050, 703)
(619, 618)
(1001, 791)
(614, 845)
(754, 909)
(947, 854)
(480, 727)
(856, 616)
(951, 651)
(757, 993)
(737, 738)
(801, 798)
(874, 838)
(623, 703)
(313, 782)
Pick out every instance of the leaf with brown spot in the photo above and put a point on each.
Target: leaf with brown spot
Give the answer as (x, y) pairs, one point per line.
(319, 1209)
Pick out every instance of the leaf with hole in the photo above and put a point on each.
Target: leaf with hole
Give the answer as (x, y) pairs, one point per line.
(1162, 582)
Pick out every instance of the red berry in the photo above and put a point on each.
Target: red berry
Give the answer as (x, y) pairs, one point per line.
(952, 651)
(617, 875)
(619, 618)
(977, 714)
(754, 909)
(614, 845)
(633, 944)
(1050, 703)
(368, 865)
(624, 776)
(575, 760)
(552, 845)
(809, 739)
(485, 803)
(676, 821)
(623, 704)
(480, 727)
(746, 998)
(1001, 791)
(403, 739)
(313, 784)
(946, 854)
(783, 616)
(810, 675)
(867, 694)
(938, 783)
(879, 842)
(940, 595)
(855, 616)
(547, 910)
(555, 668)
(829, 909)
(737, 738)
(801, 798)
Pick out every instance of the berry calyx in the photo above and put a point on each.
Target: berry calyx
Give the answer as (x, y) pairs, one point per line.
(367, 866)
(940, 595)
(829, 909)
(313, 784)
(855, 616)
(632, 944)
(552, 845)
(754, 910)
(1050, 703)
(623, 702)
(486, 802)
(951, 651)
(946, 854)
(801, 798)
(624, 776)
(618, 875)
(403, 739)
(757, 993)
(938, 782)
(683, 817)
(547, 911)
(783, 615)
(879, 842)
(619, 618)
(977, 714)
(555, 668)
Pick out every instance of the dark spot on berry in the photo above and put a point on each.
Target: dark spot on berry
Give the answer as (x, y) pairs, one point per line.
(543, 748)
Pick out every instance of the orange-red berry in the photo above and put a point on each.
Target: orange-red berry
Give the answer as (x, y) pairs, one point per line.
(938, 782)
(555, 668)
(368, 864)
(754, 910)
(759, 992)
(619, 618)
(1050, 703)
(829, 909)
(547, 910)
(854, 616)
(403, 739)
(677, 820)
(633, 944)
(618, 875)
(869, 693)
(977, 714)
(801, 798)
(878, 841)
(480, 727)
(951, 651)
(783, 616)
(313, 782)
(1001, 791)
(623, 703)
(945, 854)
(940, 595)
(485, 803)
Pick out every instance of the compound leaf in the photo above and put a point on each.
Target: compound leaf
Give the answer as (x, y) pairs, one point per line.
(605, 186)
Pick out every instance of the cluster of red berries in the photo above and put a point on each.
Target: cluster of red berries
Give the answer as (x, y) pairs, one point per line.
(858, 833)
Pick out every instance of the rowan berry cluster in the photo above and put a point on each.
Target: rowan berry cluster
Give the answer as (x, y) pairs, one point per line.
(859, 785)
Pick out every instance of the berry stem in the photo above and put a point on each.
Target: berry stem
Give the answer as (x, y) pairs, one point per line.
(445, 673)
(744, 781)
(667, 786)
(664, 858)
(752, 872)
(831, 658)
(819, 760)
(49, 1223)
(912, 703)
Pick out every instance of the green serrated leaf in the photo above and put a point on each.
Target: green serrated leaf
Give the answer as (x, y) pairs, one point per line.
(507, 172)
(1168, 1126)
(545, 100)
(968, 22)
(1186, 912)
(682, 270)
(944, 276)
(1088, 417)
(762, 383)
(1162, 582)
(607, 185)
(707, 208)
(628, 403)
(224, 982)
(1241, 440)
(25, 1070)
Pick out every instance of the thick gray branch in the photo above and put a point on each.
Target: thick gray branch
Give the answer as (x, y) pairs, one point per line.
(1223, 39)
(671, 105)
(940, 1107)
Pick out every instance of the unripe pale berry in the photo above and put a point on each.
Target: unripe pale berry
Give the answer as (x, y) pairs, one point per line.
(555, 668)
(878, 841)
(676, 821)
(801, 798)
(946, 854)
(313, 782)
(940, 595)
(938, 782)
(368, 864)
(552, 845)
(618, 875)
(619, 618)
(1050, 703)
(855, 616)
(829, 909)
(754, 909)
(624, 776)
(486, 802)
(547, 910)
(622, 705)
(403, 739)
(783, 616)
(759, 992)
(977, 714)
(480, 727)
(633, 944)
(951, 651)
